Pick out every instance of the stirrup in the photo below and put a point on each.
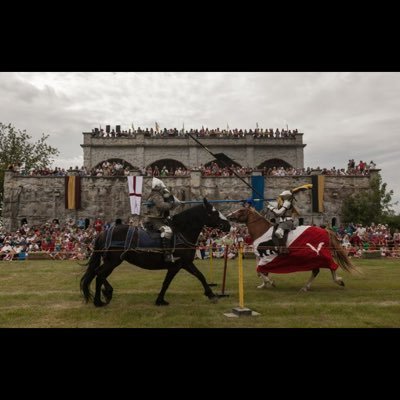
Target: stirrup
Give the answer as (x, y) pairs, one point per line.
(283, 250)
(168, 257)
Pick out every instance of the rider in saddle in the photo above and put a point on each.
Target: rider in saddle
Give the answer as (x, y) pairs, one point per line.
(285, 211)
(162, 201)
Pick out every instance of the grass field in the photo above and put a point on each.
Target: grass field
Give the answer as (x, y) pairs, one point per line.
(41, 294)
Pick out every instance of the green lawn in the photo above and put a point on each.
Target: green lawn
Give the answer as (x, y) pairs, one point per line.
(46, 294)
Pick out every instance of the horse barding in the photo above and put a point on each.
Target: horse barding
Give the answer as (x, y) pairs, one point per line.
(142, 248)
(310, 248)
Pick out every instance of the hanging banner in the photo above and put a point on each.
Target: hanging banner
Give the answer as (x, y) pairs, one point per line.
(135, 186)
(72, 192)
(318, 182)
(257, 182)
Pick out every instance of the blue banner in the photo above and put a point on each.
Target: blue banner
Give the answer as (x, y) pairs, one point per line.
(258, 184)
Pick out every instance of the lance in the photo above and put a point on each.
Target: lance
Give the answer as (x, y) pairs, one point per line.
(150, 203)
(230, 169)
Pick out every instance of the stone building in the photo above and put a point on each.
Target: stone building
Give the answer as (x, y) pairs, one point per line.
(143, 151)
(41, 198)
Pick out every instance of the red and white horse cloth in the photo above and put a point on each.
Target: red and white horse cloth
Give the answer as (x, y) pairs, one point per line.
(309, 248)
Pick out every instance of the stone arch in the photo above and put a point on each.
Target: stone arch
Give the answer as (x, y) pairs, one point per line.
(274, 162)
(124, 163)
(171, 164)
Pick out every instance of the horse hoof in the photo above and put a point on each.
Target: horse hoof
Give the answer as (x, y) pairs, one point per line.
(214, 299)
(161, 303)
(99, 303)
(273, 284)
(107, 295)
(262, 286)
(341, 283)
(305, 289)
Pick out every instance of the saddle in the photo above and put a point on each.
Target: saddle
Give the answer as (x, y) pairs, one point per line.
(138, 239)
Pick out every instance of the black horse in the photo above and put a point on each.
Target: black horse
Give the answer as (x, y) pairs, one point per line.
(186, 226)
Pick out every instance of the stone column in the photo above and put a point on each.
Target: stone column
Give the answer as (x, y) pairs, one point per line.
(195, 185)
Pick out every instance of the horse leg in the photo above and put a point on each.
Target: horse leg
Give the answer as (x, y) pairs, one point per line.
(107, 291)
(172, 271)
(101, 280)
(192, 269)
(266, 281)
(337, 279)
(307, 286)
(86, 280)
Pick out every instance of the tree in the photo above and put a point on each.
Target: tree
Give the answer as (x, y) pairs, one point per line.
(16, 147)
(373, 205)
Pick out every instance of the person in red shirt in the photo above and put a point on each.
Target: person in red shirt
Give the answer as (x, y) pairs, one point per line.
(98, 225)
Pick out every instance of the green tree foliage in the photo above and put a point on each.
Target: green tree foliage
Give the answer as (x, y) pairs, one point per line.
(373, 205)
(393, 222)
(16, 147)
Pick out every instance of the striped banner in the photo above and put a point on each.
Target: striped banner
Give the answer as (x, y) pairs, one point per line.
(318, 182)
(73, 192)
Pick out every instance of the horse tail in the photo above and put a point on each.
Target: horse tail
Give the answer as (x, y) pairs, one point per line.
(90, 273)
(339, 253)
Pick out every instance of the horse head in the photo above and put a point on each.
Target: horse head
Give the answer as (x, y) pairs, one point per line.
(255, 222)
(214, 218)
(240, 215)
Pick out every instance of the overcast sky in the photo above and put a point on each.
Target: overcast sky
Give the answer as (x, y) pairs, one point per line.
(342, 115)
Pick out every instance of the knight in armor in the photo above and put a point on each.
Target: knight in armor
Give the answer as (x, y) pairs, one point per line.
(284, 213)
(161, 203)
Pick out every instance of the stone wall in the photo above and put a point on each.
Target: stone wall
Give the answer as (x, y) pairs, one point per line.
(40, 199)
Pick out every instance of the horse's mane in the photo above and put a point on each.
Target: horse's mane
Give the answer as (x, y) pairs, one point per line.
(183, 216)
(260, 215)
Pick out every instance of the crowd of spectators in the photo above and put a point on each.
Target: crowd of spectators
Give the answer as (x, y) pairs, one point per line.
(74, 240)
(69, 240)
(122, 168)
(358, 239)
(200, 133)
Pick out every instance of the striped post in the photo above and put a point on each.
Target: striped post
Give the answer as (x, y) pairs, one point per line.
(211, 273)
(223, 294)
(240, 265)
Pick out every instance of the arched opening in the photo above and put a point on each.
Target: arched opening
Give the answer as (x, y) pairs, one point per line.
(274, 162)
(301, 221)
(113, 166)
(333, 223)
(168, 164)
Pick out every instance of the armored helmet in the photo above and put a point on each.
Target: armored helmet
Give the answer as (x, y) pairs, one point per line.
(286, 194)
(157, 184)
